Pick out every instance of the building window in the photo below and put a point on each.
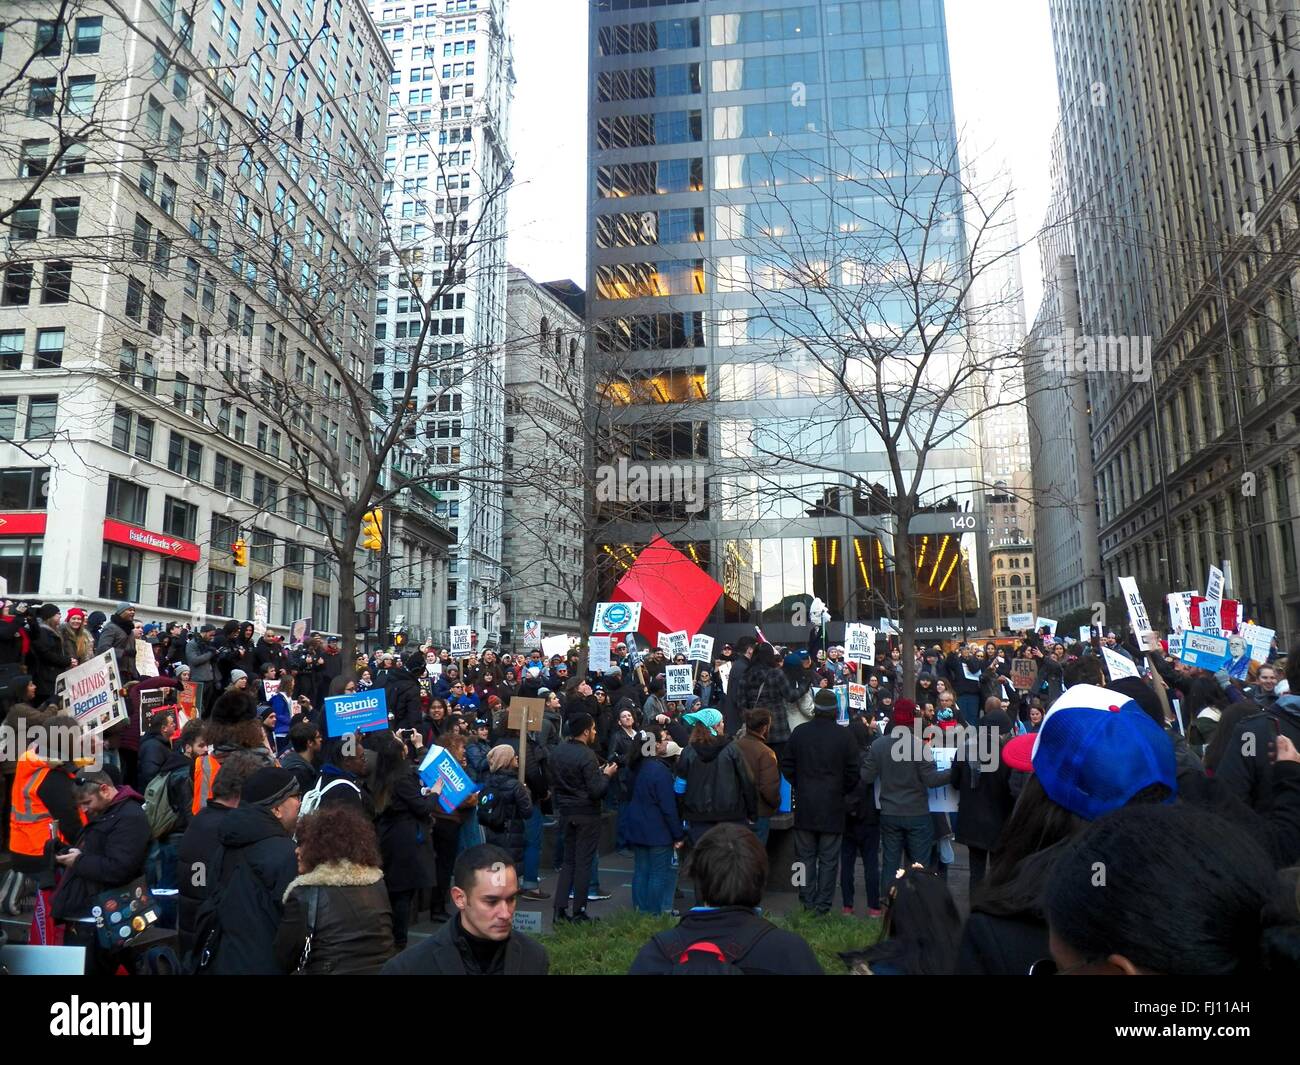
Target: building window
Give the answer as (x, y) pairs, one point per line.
(87, 35)
(17, 290)
(261, 547)
(180, 518)
(320, 612)
(24, 488)
(11, 348)
(49, 349)
(175, 584)
(8, 417)
(221, 593)
(291, 605)
(42, 414)
(20, 562)
(119, 573)
(127, 501)
(57, 285)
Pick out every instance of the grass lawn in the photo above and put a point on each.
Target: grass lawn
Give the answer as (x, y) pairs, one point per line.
(607, 947)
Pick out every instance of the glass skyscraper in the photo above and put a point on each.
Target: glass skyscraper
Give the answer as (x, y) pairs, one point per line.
(756, 174)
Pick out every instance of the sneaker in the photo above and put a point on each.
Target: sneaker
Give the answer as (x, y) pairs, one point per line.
(581, 918)
(847, 911)
(596, 895)
(536, 894)
(875, 911)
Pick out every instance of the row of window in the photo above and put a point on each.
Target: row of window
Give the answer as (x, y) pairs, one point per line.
(56, 283)
(41, 417)
(48, 354)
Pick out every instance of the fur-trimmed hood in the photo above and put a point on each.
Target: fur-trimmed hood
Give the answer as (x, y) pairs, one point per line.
(336, 874)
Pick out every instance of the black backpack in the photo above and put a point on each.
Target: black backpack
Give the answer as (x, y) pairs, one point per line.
(690, 956)
(493, 809)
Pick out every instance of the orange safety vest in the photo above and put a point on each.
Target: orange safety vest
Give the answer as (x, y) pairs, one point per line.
(30, 820)
(205, 772)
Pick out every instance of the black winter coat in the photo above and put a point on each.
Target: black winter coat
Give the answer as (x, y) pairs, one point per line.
(577, 783)
(48, 661)
(447, 953)
(718, 783)
(196, 854)
(985, 802)
(267, 652)
(405, 829)
(256, 862)
(1006, 931)
(821, 763)
(352, 934)
(113, 848)
(402, 691)
(517, 807)
(154, 752)
(731, 710)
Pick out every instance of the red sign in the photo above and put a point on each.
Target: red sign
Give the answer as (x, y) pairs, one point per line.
(119, 532)
(22, 524)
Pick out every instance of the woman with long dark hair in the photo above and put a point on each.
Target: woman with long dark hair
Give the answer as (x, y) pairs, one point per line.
(404, 819)
(921, 931)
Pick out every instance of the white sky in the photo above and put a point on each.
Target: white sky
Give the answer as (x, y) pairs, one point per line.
(1004, 85)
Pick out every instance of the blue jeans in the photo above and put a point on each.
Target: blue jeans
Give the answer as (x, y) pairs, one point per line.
(968, 709)
(533, 848)
(654, 879)
(471, 833)
(914, 833)
(160, 873)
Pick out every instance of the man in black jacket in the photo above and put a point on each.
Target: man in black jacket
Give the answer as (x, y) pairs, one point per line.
(578, 785)
(256, 861)
(821, 763)
(725, 932)
(110, 853)
(731, 709)
(197, 850)
(480, 941)
(402, 690)
(305, 741)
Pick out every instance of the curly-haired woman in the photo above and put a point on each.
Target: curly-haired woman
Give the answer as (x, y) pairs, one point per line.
(337, 920)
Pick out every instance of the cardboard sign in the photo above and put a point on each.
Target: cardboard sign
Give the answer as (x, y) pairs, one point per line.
(1023, 673)
(1039, 624)
(943, 800)
(1204, 650)
(532, 634)
(270, 688)
(89, 692)
(365, 711)
(1020, 622)
(1117, 665)
(462, 641)
(617, 617)
(151, 701)
(1175, 644)
(1214, 585)
(261, 612)
(598, 653)
(860, 644)
(701, 649)
(857, 696)
(680, 685)
(1259, 640)
(456, 784)
(675, 643)
(145, 663)
(525, 709)
(555, 645)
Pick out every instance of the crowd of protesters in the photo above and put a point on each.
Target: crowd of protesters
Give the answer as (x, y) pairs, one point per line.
(284, 849)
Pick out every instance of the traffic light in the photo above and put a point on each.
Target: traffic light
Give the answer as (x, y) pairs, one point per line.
(372, 530)
(239, 552)
(399, 639)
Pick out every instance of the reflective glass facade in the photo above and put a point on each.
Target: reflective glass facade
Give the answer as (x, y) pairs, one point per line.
(729, 142)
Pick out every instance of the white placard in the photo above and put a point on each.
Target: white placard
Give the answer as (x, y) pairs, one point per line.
(145, 662)
(860, 644)
(598, 653)
(1211, 621)
(1258, 639)
(1214, 585)
(675, 643)
(1040, 622)
(1020, 622)
(261, 611)
(701, 648)
(1137, 613)
(1085, 633)
(462, 641)
(1180, 609)
(89, 692)
(943, 800)
(680, 685)
(1117, 665)
(556, 645)
(1175, 641)
(270, 688)
(617, 617)
(888, 628)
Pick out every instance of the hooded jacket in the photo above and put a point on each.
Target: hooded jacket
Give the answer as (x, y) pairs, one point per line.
(905, 768)
(118, 636)
(402, 693)
(351, 931)
(1250, 776)
(255, 864)
(48, 660)
(196, 853)
(718, 786)
(517, 805)
(650, 817)
(199, 656)
(113, 848)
